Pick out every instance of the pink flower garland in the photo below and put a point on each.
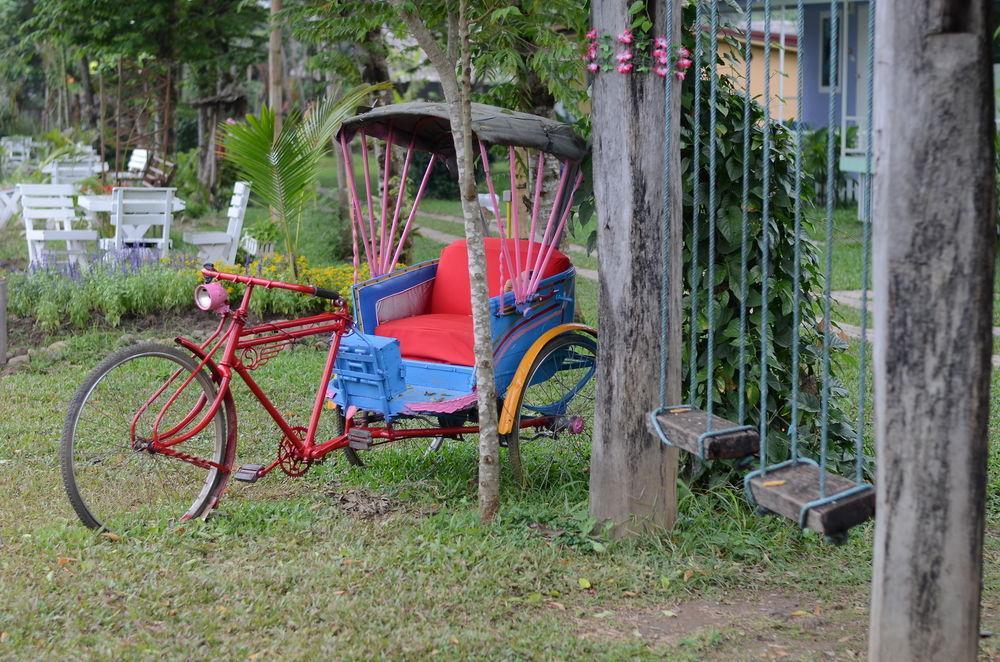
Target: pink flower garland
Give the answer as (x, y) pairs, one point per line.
(627, 53)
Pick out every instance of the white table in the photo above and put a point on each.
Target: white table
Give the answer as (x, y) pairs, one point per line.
(96, 204)
(101, 204)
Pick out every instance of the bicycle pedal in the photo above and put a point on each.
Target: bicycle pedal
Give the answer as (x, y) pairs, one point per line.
(358, 439)
(248, 473)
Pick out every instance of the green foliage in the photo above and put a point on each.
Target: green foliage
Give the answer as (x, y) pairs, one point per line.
(196, 196)
(726, 289)
(112, 293)
(284, 168)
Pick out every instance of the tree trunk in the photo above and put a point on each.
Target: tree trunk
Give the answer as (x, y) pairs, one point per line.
(460, 113)
(275, 68)
(935, 237)
(633, 476)
(87, 110)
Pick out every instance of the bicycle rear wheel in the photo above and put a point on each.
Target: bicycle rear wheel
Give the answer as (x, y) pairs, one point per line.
(112, 480)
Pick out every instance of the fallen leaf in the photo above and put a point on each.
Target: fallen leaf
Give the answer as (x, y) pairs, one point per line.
(818, 610)
(454, 641)
(113, 537)
(669, 614)
(340, 592)
(629, 594)
(4, 636)
(799, 613)
(557, 605)
(64, 560)
(844, 639)
(688, 574)
(583, 582)
(773, 483)
(604, 614)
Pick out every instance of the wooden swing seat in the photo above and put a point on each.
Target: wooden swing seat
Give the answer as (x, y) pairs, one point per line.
(786, 490)
(684, 426)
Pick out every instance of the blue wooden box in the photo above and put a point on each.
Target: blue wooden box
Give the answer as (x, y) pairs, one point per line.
(368, 373)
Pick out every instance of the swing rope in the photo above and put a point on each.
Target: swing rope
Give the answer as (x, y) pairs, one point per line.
(765, 225)
(793, 429)
(745, 224)
(695, 274)
(713, 91)
(828, 271)
(866, 223)
(668, 112)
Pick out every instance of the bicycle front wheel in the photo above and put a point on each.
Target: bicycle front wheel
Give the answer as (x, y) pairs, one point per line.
(113, 480)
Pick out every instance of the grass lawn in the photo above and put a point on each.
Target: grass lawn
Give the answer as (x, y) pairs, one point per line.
(390, 560)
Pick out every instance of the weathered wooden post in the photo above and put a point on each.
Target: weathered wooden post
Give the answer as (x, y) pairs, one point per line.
(3, 322)
(934, 249)
(633, 477)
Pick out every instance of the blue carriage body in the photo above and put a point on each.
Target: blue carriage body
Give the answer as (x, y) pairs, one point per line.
(375, 372)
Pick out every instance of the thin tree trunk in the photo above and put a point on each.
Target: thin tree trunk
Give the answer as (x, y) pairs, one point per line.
(275, 68)
(86, 95)
(633, 477)
(458, 97)
(935, 236)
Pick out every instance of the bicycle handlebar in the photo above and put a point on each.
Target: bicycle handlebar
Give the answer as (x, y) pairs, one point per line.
(323, 293)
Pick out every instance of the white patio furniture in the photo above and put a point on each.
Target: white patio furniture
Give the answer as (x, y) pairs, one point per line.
(74, 170)
(134, 171)
(255, 247)
(48, 213)
(221, 246)
(142, 218)
(16, 151)
(10, 201)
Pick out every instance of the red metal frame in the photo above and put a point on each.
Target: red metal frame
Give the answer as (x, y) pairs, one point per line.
(239, 337)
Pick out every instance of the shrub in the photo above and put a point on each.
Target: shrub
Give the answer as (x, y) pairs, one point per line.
(781, 372)
(117, 289)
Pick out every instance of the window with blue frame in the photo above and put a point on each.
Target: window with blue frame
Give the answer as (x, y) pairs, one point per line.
(824, 54)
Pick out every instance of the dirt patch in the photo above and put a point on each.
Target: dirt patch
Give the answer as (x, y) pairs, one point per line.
(364, 504)
(771, 626)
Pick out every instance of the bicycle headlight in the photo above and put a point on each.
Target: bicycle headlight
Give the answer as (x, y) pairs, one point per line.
(211, 296)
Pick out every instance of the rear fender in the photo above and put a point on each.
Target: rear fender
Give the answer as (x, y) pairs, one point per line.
(510, 402)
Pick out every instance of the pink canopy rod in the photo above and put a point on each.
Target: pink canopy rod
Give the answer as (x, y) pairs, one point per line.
(382, 252)
(525, 277)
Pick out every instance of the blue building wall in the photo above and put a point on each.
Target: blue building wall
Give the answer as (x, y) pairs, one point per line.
(814, 100)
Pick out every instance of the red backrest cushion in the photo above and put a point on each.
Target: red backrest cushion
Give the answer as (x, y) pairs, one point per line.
(452, 293)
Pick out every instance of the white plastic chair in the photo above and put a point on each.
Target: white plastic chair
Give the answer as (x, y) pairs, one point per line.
(135, 211)
(16, 151)
(221, 246)
(48, 212)
(136, 167)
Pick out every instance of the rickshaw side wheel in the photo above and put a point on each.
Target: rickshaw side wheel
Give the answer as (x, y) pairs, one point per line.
(564, 370)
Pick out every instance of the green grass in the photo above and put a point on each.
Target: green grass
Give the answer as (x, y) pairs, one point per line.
(281, 569)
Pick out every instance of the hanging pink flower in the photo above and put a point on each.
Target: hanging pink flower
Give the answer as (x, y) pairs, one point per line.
(659, 52)
(683, 52)
(592, 52)
(662, 72)
(624, 67)
(661, 42)
(684, 63)
(592, 67)
(679, 75)
(625, 37)
(592, 35)
(624, 56)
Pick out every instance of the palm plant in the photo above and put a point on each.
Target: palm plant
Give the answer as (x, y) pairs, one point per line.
(283, 167)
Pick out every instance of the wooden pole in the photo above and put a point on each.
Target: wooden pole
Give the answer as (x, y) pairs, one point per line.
(935, 235)
(633, 477)
(3, 322)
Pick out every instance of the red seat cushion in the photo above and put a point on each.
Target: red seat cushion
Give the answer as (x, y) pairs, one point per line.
(452, 294)
(443, 338)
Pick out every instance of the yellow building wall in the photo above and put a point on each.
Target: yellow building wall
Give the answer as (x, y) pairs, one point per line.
(784, 91)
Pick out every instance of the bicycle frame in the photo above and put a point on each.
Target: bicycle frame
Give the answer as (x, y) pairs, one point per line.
(244, 348)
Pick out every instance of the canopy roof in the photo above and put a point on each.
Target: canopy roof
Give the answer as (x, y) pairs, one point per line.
(430, 124)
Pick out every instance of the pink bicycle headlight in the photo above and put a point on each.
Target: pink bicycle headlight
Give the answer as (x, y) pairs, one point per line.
(212, 296)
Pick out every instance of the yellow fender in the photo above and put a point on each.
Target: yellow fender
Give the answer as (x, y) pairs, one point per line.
(510, 401)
